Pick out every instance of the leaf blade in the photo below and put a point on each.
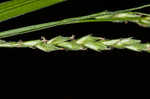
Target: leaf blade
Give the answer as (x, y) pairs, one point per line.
(14, 8)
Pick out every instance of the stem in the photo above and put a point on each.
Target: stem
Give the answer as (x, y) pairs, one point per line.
(137, 8)
(33, 28)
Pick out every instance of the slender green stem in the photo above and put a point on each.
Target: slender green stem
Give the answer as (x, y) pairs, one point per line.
(33, 28)
(137, 8)
(83, 43)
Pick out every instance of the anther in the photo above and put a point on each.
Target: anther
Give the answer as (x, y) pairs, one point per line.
(72, 37)
(44, 39)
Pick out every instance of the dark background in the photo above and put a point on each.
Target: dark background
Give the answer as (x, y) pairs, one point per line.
(67, 97)
(62, 71)
(61, 97)
(74, 8)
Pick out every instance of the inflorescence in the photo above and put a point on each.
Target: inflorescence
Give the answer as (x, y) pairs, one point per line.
(83, 43)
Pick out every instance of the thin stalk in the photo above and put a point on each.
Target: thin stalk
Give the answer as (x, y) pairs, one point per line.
(137, 8)
(33, 28)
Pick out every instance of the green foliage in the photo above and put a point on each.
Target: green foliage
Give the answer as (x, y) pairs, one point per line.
(14, 8)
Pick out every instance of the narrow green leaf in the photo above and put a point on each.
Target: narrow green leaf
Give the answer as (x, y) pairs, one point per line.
(7, 4)
(14, 8)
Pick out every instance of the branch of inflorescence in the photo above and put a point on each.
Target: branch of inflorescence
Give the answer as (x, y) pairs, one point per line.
(127, 15)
